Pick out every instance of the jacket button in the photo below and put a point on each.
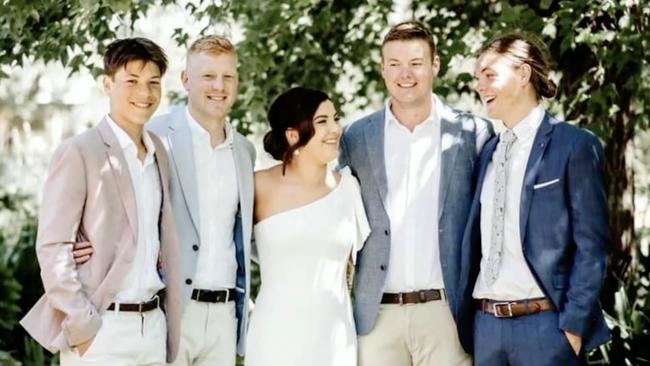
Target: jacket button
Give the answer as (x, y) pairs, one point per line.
(387, 232)
(382, 267)
(195, 247)
(188, 281)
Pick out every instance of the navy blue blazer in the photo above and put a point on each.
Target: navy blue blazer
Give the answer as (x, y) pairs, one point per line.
(563, 225)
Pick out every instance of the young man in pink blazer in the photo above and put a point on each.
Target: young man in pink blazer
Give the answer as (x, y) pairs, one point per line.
(108, 186)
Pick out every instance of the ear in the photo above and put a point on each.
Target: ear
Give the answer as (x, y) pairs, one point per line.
(382, 68)
(185, 80)
(435, 65)
(107, 84)
(525, 73)
(292, 136)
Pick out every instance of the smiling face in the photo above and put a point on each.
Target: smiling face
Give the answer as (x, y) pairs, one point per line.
(211, 82)
(323, 146)
(408, 71)
(134, 92)
(503, 86)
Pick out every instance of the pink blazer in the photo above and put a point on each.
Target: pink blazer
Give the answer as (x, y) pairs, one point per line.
(88, 196)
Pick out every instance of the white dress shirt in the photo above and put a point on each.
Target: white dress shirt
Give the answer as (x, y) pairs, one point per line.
(216, 180)
(514, 280)
(413, 174)
(143, 281)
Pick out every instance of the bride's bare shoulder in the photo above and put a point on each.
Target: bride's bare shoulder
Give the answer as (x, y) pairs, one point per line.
(265, 179)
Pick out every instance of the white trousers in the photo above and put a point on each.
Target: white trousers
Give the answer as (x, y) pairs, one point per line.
(413, 335)
(125, 339)
(208, 335)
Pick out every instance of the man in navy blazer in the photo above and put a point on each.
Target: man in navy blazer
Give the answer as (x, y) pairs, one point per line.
(535, 249)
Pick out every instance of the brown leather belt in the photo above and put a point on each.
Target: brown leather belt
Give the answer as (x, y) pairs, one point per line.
(139, 307)
(415, 297)
(213, 296)
(511, 309)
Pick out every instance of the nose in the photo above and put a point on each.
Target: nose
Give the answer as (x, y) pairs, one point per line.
(218, 83)
(335, 128)
(405, 73)
(143, 90)
(479, 85)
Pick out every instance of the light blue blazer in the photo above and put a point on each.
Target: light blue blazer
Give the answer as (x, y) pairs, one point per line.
(174, 131)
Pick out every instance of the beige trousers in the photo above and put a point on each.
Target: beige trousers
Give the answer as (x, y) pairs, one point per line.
(125, 339)
(208, 335)
(413, 335)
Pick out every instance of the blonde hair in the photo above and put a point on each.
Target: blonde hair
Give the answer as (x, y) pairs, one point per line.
(215, 45)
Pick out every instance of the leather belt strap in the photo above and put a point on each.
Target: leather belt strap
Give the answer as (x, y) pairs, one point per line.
(137, 307)
(415, 297)
(511, 309)
(213, 296)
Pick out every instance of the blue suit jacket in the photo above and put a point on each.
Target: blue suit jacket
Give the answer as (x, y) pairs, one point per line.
(362, 149)
(563, 227)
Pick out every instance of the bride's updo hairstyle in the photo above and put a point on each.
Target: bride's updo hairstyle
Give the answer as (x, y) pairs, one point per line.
(295, 108)
(525, 48)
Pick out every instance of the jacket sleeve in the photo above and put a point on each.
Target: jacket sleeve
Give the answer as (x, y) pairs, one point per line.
(588, 212)
(62, 207)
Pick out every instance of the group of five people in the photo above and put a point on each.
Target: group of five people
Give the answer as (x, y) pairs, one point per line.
(467, 247)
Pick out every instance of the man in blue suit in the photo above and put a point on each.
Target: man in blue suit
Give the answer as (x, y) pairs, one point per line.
(535, 249)
(414, 160)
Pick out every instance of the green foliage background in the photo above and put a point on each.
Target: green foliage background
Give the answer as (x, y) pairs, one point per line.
(600, 48)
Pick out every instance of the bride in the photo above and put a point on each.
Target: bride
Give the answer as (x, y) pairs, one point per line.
(310, 222)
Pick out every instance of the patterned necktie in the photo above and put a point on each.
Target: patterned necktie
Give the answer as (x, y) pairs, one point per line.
(500, 161)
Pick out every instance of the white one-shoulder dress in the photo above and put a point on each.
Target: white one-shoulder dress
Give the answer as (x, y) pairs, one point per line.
(303, 315)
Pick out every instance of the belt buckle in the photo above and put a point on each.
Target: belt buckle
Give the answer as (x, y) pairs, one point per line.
(422, 295)
(140, 307)
(227, 296)
(198, 294)
(400, 296)
(499, 314)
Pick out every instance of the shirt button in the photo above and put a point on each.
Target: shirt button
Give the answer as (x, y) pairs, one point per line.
(195, 247)
(387, 232)
(188, 281)
(382, 267)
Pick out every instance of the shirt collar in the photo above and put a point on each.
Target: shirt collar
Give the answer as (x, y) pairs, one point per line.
(126, 142)
(527, 127)
(204, 135)
(434, 116)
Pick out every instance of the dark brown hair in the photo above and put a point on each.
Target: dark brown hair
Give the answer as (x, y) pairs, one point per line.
(295, 108)
(526, 49)
(411, 30)
(119, 53)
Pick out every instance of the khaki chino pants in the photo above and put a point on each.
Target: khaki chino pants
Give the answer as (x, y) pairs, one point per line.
(413, 335)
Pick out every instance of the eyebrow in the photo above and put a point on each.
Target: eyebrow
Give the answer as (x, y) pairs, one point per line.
(320, 116)
(137, 76)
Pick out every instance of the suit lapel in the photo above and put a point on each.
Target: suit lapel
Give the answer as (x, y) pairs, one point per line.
(532, 168)
(450, 143)
(374, 135)
(120, 168)
(486, 158)
(182, 151)
(244, 181)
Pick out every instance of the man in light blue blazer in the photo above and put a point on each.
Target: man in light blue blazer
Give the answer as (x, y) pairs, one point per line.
(535, 248)
(211, 188)
(414, 160)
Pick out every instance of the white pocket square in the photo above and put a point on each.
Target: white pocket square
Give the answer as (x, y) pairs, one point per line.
(546, 184)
